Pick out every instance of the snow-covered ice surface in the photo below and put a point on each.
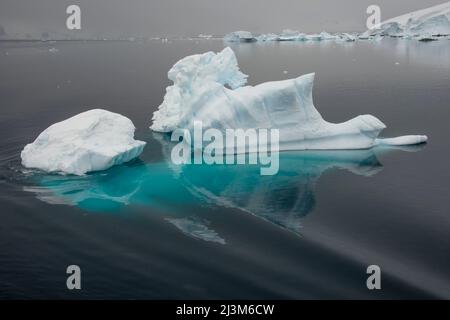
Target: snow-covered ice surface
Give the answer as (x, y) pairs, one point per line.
(90, 141)
(200, 93)
(429, 22)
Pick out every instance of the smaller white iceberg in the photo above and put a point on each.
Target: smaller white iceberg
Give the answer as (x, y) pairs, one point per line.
(90, 141)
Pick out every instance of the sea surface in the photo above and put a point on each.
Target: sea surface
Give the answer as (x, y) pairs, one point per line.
(150, 229)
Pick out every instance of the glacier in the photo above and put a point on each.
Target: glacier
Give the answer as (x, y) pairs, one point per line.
(210, 88)
(90, 141)
(425, 23)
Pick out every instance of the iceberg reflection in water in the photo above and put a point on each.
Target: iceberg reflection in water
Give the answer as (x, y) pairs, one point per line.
(282, 199)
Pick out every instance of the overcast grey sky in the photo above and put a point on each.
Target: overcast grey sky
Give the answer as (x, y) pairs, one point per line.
(191, 17)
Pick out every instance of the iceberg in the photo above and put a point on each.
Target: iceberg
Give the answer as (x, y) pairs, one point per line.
(188, 75)
(240, 36)
(90, 141)
(267, 37)
(346, 37)
(426, 38)
(327, 36)
(314, 37)
(429, 22)
(287, 35)
(205, 36)
(291, 35)
(209, 88)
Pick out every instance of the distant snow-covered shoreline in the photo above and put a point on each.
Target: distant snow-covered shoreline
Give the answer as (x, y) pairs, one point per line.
(425, 25)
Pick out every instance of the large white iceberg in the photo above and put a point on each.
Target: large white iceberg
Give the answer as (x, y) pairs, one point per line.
(433, 21)
(209, 88)
(90, 141)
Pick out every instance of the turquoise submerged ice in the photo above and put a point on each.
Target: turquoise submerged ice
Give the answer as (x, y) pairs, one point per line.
(210, 88)
(90, 141)
(170, 189)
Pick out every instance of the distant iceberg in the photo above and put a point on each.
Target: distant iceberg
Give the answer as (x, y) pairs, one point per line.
(291, 35)
(240, 36)
(210, 88)
(205, 36)
(347, 37)
(327, 36)
(426, 23)
(90, 141)
(288, 35)
(267, 37)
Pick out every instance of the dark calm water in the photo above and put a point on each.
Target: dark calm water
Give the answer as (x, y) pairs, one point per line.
(148, 229)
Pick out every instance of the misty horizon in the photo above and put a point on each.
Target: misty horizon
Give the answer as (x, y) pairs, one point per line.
(177, 18)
